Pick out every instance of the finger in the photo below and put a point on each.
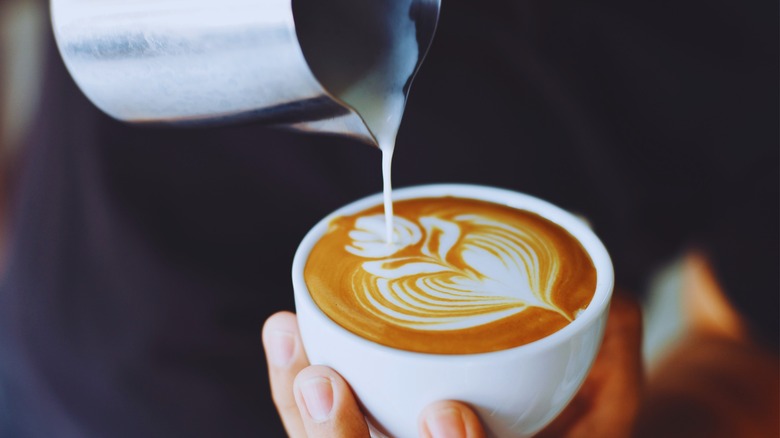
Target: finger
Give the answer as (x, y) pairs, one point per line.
(450, 419)
(327, 406)
(286, 358)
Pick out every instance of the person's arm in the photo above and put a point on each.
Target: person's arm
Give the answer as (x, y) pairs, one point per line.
(716, 381)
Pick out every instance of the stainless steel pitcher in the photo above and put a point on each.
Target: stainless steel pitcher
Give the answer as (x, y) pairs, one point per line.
(208, 61)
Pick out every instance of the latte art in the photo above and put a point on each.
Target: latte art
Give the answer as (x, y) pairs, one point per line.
(456, 281)
(455, 269)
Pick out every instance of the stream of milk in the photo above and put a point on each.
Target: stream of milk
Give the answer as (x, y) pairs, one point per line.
(365, 53)
(380, 98)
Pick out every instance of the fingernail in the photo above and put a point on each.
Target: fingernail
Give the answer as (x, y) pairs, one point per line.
(281, 348)
(446, 423)
(318, 396)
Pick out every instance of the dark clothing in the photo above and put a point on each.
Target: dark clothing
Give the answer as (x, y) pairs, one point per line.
(144, 260)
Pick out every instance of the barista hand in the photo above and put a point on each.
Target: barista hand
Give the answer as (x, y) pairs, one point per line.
(314, 401)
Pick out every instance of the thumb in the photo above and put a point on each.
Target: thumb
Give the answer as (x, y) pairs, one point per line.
(327, 406)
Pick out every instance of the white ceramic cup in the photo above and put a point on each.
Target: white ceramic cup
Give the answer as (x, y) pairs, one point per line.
(515, 392)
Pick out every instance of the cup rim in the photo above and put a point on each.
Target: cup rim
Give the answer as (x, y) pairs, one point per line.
(577, 227)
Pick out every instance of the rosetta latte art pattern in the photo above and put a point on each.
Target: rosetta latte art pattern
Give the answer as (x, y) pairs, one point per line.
(461, 276)
(454, 280)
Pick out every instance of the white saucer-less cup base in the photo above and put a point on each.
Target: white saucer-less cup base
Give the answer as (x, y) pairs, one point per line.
(516, 392)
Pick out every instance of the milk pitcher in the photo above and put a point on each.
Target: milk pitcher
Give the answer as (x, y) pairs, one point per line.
(314, 65)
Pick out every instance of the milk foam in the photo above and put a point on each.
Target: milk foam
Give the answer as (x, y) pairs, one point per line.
(451, 273)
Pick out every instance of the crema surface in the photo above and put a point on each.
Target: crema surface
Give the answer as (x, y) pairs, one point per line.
(461, 276)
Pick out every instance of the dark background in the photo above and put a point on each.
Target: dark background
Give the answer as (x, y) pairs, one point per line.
(143, 261)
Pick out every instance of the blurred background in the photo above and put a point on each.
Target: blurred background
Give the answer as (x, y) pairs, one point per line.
(143, 261)
(21, 39)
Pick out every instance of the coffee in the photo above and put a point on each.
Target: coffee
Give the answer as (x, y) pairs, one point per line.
(461, 276)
